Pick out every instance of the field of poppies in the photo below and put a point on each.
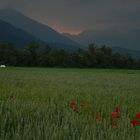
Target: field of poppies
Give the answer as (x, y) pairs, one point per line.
(69, 104)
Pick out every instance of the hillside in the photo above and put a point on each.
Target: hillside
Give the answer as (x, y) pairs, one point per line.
(18, 37)
(43, 32)
(123, 42)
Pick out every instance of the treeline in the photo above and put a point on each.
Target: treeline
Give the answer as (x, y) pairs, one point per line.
(92, 57)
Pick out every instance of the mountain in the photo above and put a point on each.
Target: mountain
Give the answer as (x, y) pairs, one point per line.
(125, 39)
(119, 41)
(134, 53)
(43, 32)
(18, 37)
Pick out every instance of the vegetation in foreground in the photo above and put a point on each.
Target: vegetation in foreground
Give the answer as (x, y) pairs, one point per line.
(69, 104)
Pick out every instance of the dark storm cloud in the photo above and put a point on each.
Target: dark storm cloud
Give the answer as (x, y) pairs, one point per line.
(78, 15)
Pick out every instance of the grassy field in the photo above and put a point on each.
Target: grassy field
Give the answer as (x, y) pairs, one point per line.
(37, 104)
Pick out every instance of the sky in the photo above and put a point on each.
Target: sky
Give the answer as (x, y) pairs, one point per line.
(75, 16)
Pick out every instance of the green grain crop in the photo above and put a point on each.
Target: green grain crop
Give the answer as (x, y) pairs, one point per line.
(34, 104)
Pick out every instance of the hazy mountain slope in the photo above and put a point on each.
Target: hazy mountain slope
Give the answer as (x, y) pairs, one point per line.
(124, 39)
(134, 53)
(38, 30)
(124, 42)
(18, 37)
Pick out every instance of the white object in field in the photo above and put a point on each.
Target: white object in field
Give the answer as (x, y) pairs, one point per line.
(2, 66)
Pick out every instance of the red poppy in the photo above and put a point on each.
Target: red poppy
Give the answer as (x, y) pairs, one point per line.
(98, 117)
(72, 104)
(82, 105)
(74, 110)
(138, 115)
(116, 109)
(115, 115)
(118, 116)
(133, 122)
(114, 124)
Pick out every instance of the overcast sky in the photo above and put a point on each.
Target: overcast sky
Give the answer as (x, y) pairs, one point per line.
(74, 16)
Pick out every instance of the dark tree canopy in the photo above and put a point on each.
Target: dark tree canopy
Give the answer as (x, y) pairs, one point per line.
(92, 57)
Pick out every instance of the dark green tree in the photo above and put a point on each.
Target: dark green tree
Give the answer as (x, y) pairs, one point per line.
(8, 54)
(92, 58)
(30, 54)
(44, 56)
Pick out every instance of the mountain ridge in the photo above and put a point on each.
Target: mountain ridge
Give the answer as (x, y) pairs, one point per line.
(125, 39)
(39, 30)
(16, 36)
(100, 38)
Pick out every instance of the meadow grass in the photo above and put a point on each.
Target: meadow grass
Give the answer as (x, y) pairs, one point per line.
(34, 103)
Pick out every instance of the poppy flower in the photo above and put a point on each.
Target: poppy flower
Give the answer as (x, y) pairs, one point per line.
(138, 115)
(72, 104)
(133, 122)
(115, 115)
(114, 124)
(116, 109)
(82, 105)
(98, 117)
(74, 110)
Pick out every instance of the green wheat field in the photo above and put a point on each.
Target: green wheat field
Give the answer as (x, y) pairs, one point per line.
(69, 104)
